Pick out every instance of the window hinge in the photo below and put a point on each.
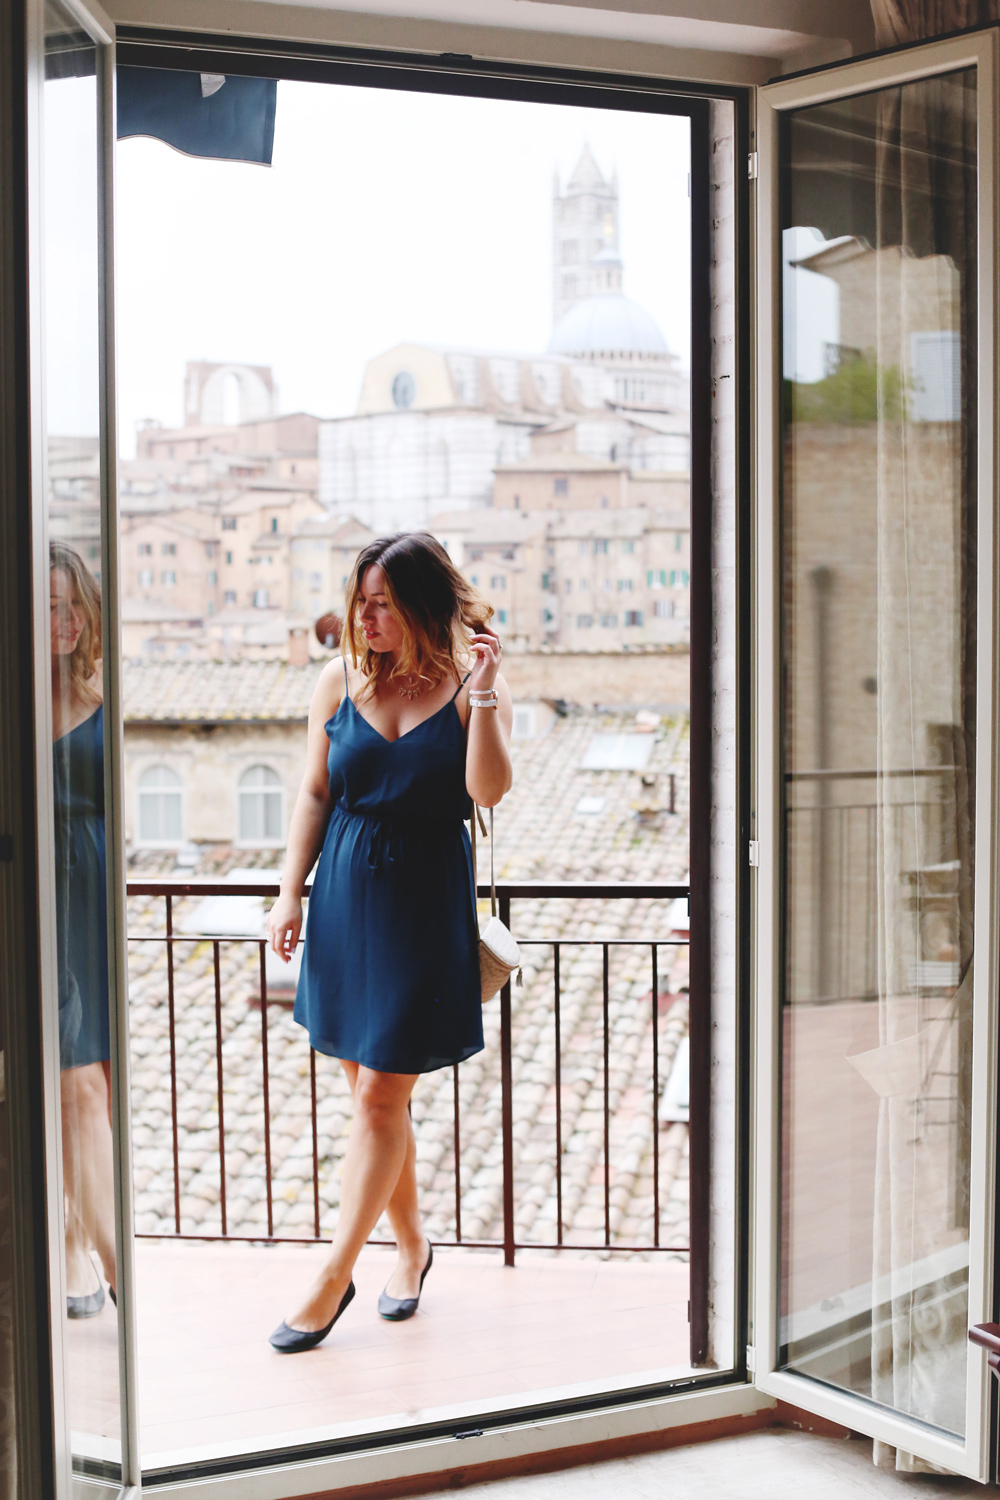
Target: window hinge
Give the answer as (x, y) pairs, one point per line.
(752, 166)
(754, 853)
(751, 1359)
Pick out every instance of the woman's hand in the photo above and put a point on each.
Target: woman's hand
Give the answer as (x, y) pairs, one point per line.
(487, 649)
(284, 923)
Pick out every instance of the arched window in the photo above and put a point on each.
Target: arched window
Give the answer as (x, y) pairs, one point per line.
(231, 400)
(260, 795)
(160, 806)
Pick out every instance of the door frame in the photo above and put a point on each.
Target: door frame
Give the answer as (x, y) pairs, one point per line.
(971, 1457)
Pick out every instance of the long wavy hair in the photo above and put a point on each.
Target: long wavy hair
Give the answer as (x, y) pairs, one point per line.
(87, 652)
(437, 609)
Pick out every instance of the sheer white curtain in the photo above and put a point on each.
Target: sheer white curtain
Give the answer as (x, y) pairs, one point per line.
(901, 21)
(926, 505)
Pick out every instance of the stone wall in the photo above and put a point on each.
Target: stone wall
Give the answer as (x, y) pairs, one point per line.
(612, 679)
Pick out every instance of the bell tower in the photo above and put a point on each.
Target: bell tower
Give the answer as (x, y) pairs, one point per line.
(584, 235)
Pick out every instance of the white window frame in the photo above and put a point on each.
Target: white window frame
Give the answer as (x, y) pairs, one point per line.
(969, 1456)
(142, 792)
(275, 790)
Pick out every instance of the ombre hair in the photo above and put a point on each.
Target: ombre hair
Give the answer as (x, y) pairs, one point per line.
(87, 651)
(436, 608)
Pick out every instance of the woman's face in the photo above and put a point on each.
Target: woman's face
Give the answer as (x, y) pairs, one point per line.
(382, 631)
(66, 614)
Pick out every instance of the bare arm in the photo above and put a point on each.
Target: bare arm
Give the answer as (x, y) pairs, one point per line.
(309, 816)
(488, 770)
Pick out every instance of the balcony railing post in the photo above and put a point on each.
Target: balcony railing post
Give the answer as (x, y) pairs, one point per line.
(507, 1105)
(219, 1084)
(172, 1027)
(605, 1012)
(266, 1075)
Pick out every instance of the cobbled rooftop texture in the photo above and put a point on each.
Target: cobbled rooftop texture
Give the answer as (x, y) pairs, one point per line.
(539, 836)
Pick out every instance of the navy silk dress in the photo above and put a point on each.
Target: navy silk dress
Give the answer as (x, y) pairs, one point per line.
(390, 967)
(81, 894)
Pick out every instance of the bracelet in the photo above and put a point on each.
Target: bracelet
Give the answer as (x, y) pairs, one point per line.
(483, 695)
(484, 703)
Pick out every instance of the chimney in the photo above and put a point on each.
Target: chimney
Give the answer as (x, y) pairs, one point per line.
(298, 647)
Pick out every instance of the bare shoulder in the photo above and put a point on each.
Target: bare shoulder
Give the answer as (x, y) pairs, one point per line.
(328, 693)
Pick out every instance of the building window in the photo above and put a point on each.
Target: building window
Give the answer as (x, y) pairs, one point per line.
(210, 549)
(145, 549)
(274, 523)
(633, 617)
(229, 559)
(260, 598)
(560, 486)
(609, 621)
(315, 580)
(229, 597)
(213, 578)
(568, 586)
(229, 523)
(581, 548)
(584, 585)
(260, 794)
(624, 585)
(663, 609)
(502, 616)
(498, 581)
(677, 541)
(168, 578)
(600, 546)
(168, 549)
(656, 578)
(628, 546)
(584, 622)
(475, 553)
(404, 390)
(159, 806)
(145, 578)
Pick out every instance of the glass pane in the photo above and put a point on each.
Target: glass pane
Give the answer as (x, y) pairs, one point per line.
(879, 640)
(484, 331)
(72, 391)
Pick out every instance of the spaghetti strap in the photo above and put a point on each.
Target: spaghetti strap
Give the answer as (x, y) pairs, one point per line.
(461, 685)
(347, 685)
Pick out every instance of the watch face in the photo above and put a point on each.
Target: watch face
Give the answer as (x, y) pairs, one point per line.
(404, 388)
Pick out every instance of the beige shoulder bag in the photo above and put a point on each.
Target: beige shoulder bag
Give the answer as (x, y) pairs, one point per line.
(499, 954)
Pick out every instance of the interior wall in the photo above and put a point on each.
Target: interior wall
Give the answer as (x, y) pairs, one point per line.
(705, 41)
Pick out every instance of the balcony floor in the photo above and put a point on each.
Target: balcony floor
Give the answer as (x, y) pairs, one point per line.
(485, 1337)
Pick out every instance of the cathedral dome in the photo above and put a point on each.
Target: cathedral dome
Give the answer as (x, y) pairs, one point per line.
(610, 324)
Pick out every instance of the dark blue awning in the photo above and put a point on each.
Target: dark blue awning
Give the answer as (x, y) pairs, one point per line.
(202, 114)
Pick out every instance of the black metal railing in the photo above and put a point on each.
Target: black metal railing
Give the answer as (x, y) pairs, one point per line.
(170, 891)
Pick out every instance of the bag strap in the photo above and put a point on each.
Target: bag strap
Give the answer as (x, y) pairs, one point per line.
(478, 817)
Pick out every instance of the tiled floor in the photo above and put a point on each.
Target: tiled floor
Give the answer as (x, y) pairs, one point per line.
(485, 1336)
(769, 1465)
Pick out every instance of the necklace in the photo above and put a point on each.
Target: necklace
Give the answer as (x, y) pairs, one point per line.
(410, 692)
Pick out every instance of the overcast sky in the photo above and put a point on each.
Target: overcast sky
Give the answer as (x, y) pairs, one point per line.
(384, 217)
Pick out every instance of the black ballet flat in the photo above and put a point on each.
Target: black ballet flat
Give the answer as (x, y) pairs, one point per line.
(398, 1309)
(86, 1307)
(111, 1294)
(294, 1341)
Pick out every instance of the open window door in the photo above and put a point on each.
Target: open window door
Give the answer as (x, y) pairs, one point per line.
(875, 782)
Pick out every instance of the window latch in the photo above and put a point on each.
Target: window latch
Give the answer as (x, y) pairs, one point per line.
(754, 853)
(752, 161)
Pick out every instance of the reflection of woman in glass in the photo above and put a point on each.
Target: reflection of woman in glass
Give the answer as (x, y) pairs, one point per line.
(81, 901)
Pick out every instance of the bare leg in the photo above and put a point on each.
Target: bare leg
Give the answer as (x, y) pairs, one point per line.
(376, 1153)
(81, 1278)
(87, 1172)
(403, 1213)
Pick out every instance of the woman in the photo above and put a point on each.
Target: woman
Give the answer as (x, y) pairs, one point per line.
(398, 744)
(81, 921)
